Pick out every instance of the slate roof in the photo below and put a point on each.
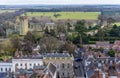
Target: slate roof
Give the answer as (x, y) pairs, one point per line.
(57, 55)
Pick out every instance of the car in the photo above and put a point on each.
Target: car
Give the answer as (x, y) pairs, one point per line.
(75, 67)
(77, 59)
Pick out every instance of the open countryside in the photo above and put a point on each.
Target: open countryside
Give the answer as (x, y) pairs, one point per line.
(4, 11)
(67, 15)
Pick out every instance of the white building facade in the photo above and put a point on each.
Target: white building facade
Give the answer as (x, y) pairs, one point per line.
(5, 67)
(20, 64)
(26, 63)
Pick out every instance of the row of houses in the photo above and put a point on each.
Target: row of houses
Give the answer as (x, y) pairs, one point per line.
(105, 45)
(62, 61)
(102, 67)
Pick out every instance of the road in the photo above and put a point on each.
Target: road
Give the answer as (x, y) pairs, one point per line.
(79, 71)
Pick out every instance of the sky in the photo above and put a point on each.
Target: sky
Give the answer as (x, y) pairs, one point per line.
(14, 2)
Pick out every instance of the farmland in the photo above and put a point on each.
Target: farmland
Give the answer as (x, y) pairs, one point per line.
(4, 11)
(67, 15)
(117, 23)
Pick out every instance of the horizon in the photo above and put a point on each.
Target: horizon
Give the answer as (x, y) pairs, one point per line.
(59, 2)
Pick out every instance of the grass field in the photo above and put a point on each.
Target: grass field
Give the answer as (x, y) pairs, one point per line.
(3, 11)
(117, 23)
(67, 15)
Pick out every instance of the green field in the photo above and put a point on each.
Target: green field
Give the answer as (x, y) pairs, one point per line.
(4, 11)
(67, 15)
(117, 23)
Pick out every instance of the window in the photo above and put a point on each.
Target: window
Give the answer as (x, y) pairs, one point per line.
(1, 69)
(34, 64)
(16, 64)
(68, 65)
(25, 64)
(5, 69)
(20, 64)
(30, 64)
(63, 65)
(63, 73)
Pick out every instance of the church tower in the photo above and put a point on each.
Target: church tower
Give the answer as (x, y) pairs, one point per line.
(23, 25)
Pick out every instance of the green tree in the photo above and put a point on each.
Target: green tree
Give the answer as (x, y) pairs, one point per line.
(68, 27)
(81, 29)
(111, 53)
(49, 44)
(16, 42)
(110, 21)
(68, 46)
(30, 37)
(61, 28)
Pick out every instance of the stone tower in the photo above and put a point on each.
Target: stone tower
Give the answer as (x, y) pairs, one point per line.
(23, 25)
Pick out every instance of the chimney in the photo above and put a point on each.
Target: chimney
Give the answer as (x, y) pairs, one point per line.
(116, 65)
(118, 74)
(98, 74)
(106, 75)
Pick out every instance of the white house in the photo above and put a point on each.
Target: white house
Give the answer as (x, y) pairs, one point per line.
(25, 63)
(4, 67)
(20, 63)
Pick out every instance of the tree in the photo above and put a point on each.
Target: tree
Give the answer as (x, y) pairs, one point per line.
(16, 42)
(50, 44)
(74, 37)
(102, 19)
(30, 37)
(109, 21)
(81, 29)
(61, 28)
(69, 47)
(111, 53)
(68, 27)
